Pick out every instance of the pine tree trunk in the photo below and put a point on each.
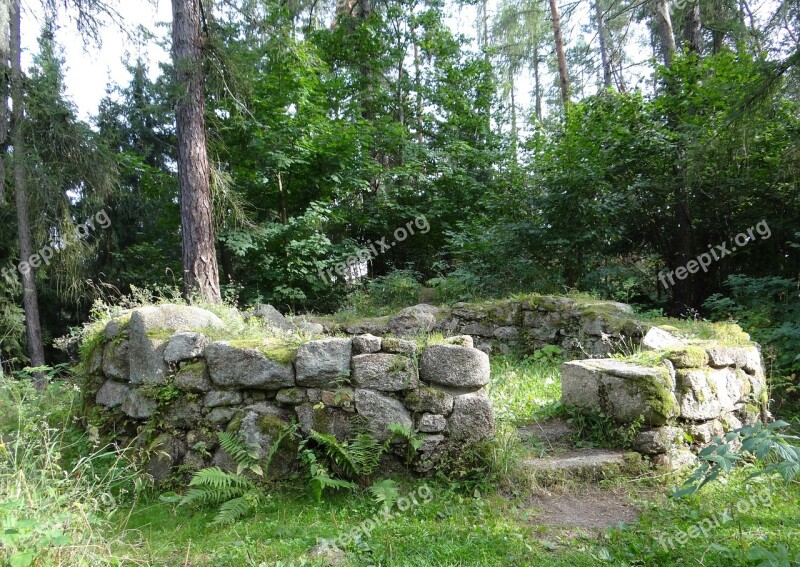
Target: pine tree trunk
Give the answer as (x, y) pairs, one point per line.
(693, 32)
(601, 34)
(29, 298)
(562, 59)
(200, 271)
(5, 58)
(663, 24)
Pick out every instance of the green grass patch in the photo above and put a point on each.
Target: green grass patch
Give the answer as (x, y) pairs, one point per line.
(526, 389)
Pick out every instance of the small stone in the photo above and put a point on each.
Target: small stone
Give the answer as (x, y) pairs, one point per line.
(221, 398)
(659, 440)
(399, 346)
(385, 372)
(460, 340)
(220, 415)
(185, 346)
(366, 344)
(430, 400)
(138, 406)
(472, 418)
(112, 394)
(291, 396)
(659, 339)
(193, 378)
(430, 423)
(381, 411)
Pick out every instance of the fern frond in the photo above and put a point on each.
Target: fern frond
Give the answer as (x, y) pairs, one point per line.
(232, 511)
(338, 452)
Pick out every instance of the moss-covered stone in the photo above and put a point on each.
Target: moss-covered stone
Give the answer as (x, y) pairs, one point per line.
(159, 333)
(688, 357)
(273, 349)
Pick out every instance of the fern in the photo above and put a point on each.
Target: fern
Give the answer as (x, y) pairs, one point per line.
(385, 492)
(235, 494)
(413, 439)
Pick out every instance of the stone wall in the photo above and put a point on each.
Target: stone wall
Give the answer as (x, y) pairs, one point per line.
(582, 327)
(686, 392)
(157, 374)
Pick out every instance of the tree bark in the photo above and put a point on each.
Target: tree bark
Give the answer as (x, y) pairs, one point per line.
(537, 87)
(663, 26)
(693, 32)
(5, 58)
(601, 34)
(562, 59)
(200, 270)
(29, 297)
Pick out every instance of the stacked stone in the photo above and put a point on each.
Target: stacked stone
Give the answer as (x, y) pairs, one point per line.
(582, 328)
(699, 390)
(331, 385)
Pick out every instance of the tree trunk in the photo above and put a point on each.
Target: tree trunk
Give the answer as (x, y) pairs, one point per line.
(537, 87)
(693, 33)
(601, 34)
(5, 58)
(562, 59)
(29, 298)
(200, 271)
(663, 26)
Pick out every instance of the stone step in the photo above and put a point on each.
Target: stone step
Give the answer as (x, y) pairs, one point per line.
(583, 465)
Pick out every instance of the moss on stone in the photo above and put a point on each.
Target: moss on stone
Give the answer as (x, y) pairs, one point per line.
(658, 395)
(271, 425)
(159, 333)
(273, 349)
(688, 357)
(197, 367)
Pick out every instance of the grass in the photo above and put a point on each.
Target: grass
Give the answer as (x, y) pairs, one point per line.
(524, 390)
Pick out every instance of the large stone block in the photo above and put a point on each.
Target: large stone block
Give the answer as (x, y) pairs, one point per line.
(138, 406)
(622, 390)
(150, 330)
(472, 418)
(366, 344)
(707, 394)
(386, 372)
(230, 366)
(323, 363)
(112, 394)
(455, 366)
(381, 411)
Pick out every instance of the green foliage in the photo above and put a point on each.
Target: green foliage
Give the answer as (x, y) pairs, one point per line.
(596, 429)
(775, 451)
(59, 485)
(235, 494)
(413, 439)
(385, 492)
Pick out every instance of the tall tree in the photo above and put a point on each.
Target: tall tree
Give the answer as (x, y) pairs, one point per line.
(200, 271)
(29, 295)
(663, 25)
(601, 36)
(562, 59)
